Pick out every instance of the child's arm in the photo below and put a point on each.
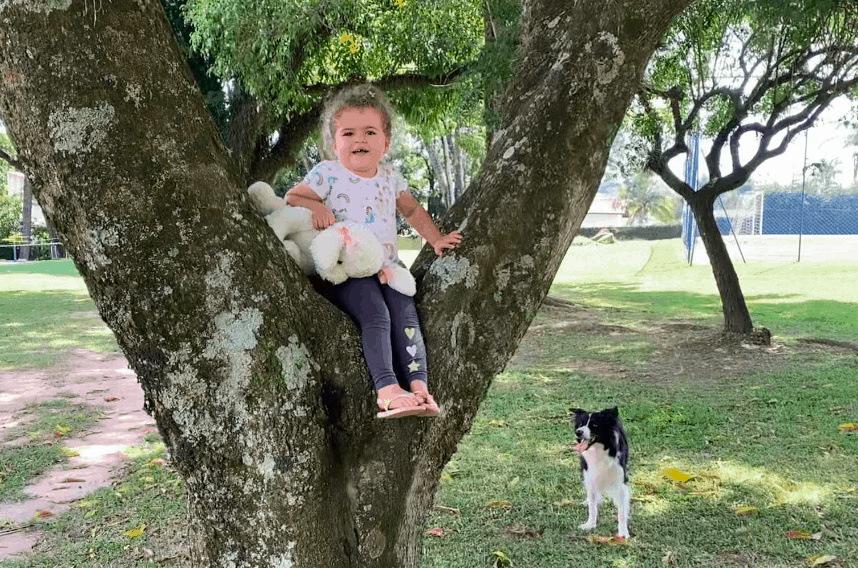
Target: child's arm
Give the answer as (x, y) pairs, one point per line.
(418, 218)
(303, 196)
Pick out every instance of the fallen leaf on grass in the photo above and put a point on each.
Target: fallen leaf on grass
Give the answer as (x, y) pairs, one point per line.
(496, 422)
(40, 514)
(69, 453)
(61, 431)
(821, 560)
(564, 503)
(676, 475)
(521, 531)
(156, 463)
(447, 510)
(438, 532)
(848, 427)
(111, 399)
(73, 480)
(500, 559)
(745, 509)
(804, 535)
(609, 540)
(134, 533)
(497, 505)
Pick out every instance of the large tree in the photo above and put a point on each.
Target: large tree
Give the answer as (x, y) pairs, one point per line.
(256, 381)
(742, 74)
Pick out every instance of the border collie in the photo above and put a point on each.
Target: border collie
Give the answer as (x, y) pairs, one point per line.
(604, 463)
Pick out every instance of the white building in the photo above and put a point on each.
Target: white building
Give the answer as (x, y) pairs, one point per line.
(605, 211)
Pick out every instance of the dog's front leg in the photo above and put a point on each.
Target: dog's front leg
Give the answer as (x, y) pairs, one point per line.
(593, 507)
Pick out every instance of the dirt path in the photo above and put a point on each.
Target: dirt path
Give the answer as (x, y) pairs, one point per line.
(85, 377)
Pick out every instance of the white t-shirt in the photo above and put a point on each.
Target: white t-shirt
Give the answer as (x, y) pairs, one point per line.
(371, 201)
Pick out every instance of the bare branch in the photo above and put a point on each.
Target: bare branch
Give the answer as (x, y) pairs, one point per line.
(11, 160)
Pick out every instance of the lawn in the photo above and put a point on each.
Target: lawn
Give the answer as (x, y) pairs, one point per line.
(771, 479)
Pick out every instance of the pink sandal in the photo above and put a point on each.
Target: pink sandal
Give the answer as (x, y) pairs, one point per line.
(427, 403)
(387, 412)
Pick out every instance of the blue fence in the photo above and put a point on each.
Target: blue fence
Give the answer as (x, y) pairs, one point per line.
(786, 214)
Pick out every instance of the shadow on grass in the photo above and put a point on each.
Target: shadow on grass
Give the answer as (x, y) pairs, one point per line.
(64, 267)
(783, 314)
(36, 327)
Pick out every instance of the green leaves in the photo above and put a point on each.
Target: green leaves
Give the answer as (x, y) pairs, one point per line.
(277, 46)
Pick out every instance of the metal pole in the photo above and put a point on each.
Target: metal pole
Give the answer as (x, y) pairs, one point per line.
(803, 176)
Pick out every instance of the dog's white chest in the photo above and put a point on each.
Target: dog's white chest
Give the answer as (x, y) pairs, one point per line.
(603, 472)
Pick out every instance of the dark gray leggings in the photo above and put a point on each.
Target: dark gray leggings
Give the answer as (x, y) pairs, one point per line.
(389, 330)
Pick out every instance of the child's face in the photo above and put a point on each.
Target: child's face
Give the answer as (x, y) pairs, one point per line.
(359, 140)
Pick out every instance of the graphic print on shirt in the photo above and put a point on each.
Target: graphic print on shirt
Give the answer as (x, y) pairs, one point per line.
(361, 200)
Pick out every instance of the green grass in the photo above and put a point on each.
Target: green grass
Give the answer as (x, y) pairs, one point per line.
(773, 445)
(45, 311)
(767, 440)
(44, 425)
(652, 280)
(101, 530)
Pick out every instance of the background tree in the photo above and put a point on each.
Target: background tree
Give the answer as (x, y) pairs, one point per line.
(10, 206)
(257, 382)
(645, 198)
(741, 74)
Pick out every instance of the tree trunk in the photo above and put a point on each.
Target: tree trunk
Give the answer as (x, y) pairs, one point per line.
(26, 220)
(257, 383)
(737, 319)
(437, 171)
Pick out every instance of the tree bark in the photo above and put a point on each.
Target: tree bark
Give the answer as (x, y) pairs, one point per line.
(737, 318)
(257, 383)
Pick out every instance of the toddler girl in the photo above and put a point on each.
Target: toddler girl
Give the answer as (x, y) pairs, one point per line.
(356, 187)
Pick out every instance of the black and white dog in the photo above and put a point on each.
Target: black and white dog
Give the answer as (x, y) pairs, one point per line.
(604, 463)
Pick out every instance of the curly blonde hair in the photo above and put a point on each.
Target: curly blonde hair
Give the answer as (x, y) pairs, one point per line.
(355, 96)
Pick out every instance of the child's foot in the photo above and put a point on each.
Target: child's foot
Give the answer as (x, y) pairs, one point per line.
(430, 407)
(393, 402)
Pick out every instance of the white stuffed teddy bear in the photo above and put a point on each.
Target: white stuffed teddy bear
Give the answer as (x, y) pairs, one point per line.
(341, 251)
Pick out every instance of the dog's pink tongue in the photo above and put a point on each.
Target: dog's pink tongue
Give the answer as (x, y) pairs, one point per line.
(580, 446)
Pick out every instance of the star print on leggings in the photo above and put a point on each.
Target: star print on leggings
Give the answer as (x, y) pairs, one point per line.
(414, 366)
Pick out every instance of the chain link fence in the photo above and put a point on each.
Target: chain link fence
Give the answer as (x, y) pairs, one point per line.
(813, 219)
(760, 225)
(36, 250)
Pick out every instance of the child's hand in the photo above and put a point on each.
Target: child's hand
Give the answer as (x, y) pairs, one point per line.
(449, 241)
(322, 218)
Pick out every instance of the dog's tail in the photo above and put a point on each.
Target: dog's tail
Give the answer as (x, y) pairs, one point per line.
(264, 199)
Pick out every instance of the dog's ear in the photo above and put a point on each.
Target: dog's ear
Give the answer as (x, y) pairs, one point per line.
(614, 411)
(577, 411)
